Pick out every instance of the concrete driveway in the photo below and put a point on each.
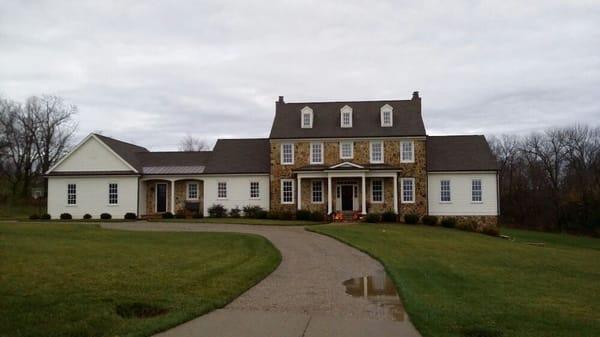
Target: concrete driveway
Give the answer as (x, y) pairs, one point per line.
(322, 288)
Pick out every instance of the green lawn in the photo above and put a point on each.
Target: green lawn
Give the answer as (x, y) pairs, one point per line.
(71, 279)
(456, 283)
(245, 221)
(19, 211)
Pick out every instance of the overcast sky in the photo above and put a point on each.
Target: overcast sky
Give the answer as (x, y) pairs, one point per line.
(151, 72)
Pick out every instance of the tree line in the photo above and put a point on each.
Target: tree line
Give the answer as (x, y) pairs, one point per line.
(34, 135)
(550, 180)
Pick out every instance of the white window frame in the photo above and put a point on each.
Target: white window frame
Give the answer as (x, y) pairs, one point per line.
(351, 143)
(442, 191)
(346, 110)
(402, 196)
(283, 145)
(480, 201)
(312, 192)
(283, 181)
(187, 191)
(411, 159)
(219, 190)
(116, 194)
(74, 194)
(255, 186)
(382, 192)
(321, 148)
(387, 109)
(371, 152)
(306, 111)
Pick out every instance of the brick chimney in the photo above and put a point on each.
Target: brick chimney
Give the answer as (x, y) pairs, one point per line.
(416, 95)
(280, 100)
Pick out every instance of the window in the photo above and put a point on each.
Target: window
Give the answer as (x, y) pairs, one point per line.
(387, 116)
(192, 191)
(346, 117)
(407, 151)
(317, 191)
(377, 191)
(71, 194)
(287, 191)
(377, 152)
(254, 190)
(445, 191)
(221, 190)
(307, 118)
(316, 153)
(408, 190)
(476, 190)
(346, 150)
(113, 194)
(287, 154)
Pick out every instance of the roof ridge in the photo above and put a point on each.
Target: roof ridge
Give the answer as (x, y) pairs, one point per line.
(354, 101)
(118, 140)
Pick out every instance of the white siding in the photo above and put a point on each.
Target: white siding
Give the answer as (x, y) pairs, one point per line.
(92, 156)
(460, 185)
(238, 191)
(92, 196)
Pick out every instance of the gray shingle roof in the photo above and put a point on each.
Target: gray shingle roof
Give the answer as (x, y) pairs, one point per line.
(407, 119)
(231, 156)
(127, 151)
(459, 153)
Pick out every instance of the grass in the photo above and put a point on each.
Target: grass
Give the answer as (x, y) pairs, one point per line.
(456, 283)
(81, 280)
(244, 221)
(19, 211)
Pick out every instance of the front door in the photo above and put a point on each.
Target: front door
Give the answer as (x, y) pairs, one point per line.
(347, 197)
(161, 198)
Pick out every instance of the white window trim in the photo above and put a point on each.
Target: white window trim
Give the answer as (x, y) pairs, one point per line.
(402, 180)
(67, 199)
(281, 153)
(449, 190)
(109, 204)
(187, 191)
(345, 109)
(312, 193)
(304, 111)
(311, 153)
(382, 192)
(281, 191)
(412, 159)
(351, 150)
(226, 190)
(371, 152)
(387, 108)
(250, 191)
(480, 184)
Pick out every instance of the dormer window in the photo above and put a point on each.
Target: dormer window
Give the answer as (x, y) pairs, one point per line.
(346, 117)
(306, 121)
(387, 116)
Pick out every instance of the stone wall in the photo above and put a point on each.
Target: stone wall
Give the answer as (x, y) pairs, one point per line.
(476, 223)
(306, 194)
(180, 194)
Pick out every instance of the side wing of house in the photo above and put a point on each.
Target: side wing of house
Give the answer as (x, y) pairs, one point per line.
(92, 179)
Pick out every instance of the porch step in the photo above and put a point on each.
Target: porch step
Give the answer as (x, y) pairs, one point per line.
(150, 216)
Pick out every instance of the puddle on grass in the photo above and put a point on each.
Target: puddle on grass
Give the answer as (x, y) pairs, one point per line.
(380, 290)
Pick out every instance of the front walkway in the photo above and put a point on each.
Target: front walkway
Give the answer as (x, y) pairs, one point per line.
(304, 296)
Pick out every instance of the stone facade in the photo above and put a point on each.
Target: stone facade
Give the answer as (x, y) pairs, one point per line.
(180, 194)
(475, 223)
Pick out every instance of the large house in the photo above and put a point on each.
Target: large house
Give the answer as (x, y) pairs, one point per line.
(352, 156)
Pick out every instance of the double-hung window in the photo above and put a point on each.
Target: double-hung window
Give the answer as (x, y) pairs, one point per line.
(377, 191)
(387, 115)
(192, 191)
(376, 152)
(221, 190)
(407, 154)
(254, 190)
(408, 190)
(287, 191)
(476, 190)
(316, 153)
(317, 191)
(71, 194)
(287, 154)
(346, 150)
(445, 192)
(113, 194)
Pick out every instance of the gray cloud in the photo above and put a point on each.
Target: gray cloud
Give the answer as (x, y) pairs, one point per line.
(153, 71)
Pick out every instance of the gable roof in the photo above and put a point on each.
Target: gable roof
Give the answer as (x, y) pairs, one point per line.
(126, 151)
(236, 156)
(459, 153)
(407, 119)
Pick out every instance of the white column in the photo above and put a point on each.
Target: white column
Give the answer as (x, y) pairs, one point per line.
(173, 196)
(299, 190)
(329, 194)
(363, 194)
(396, 193)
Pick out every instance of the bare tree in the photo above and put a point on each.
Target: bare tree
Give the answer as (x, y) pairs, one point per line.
(189, 143)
